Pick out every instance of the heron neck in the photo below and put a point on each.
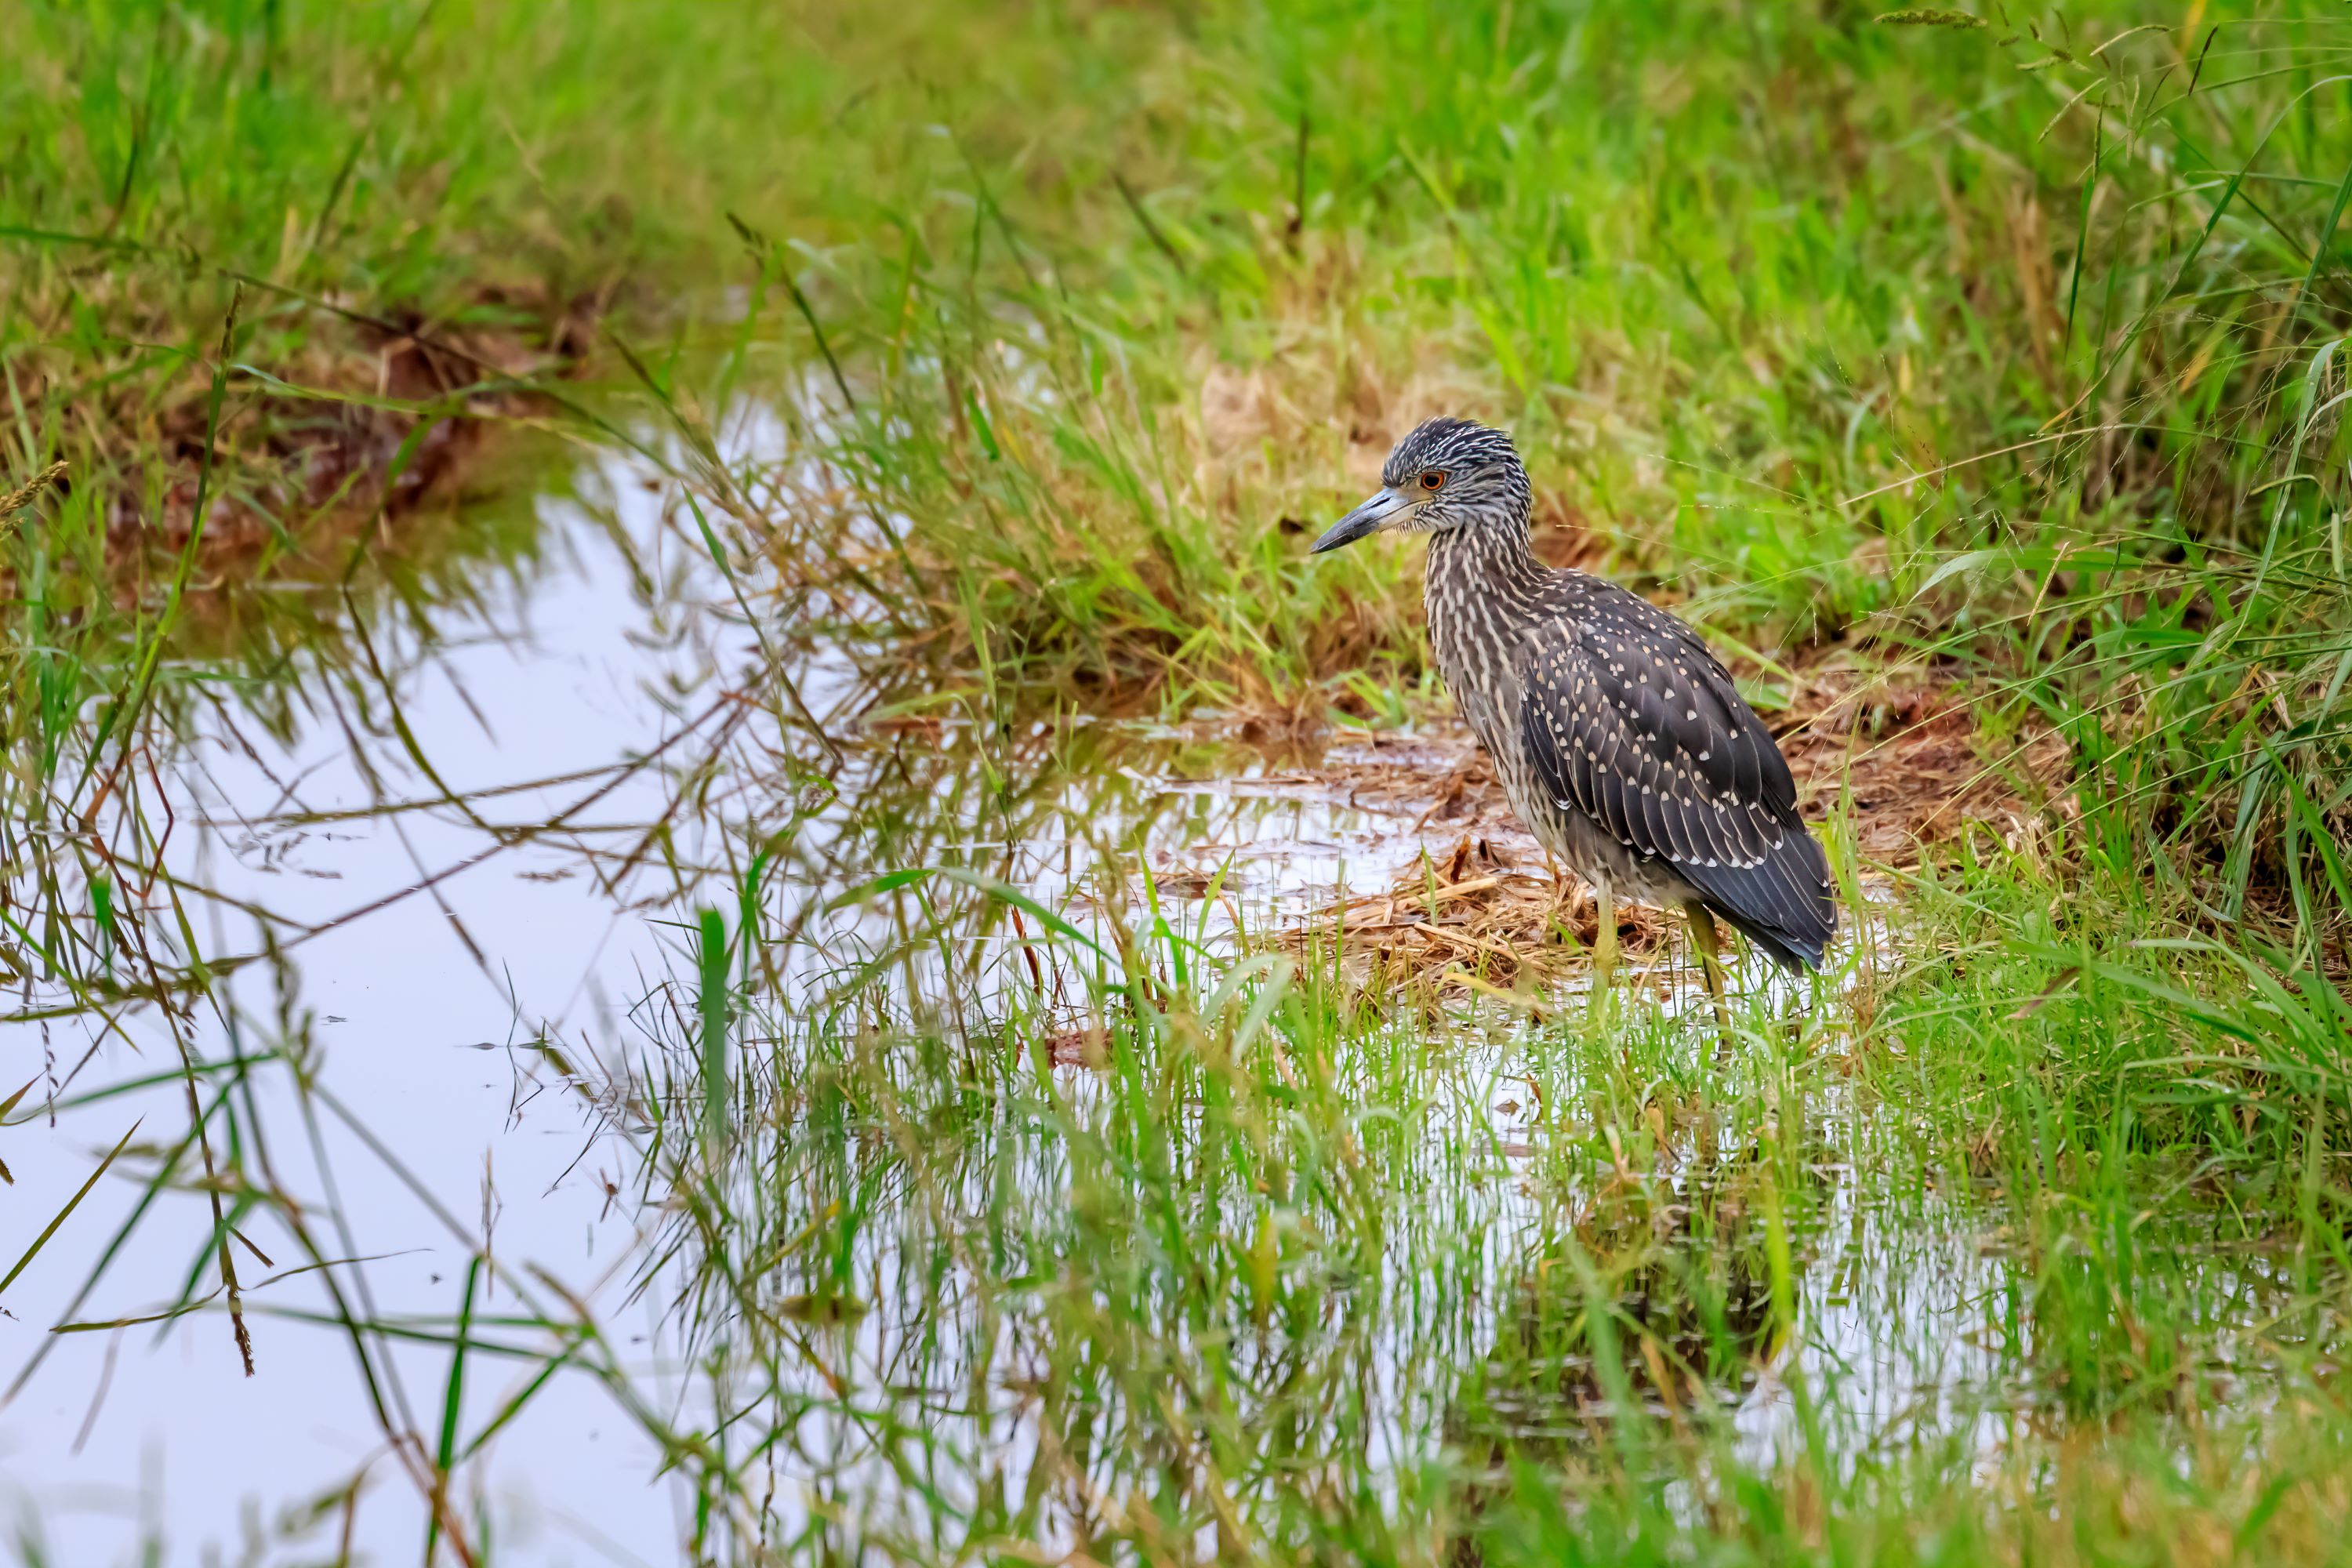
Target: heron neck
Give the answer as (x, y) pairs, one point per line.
(1486, 556)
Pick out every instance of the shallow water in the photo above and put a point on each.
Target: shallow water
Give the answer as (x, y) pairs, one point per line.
(420, 1007)
(433, 934)
(465, 889)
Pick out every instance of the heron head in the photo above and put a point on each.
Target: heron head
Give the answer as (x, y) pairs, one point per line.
(1448, 473)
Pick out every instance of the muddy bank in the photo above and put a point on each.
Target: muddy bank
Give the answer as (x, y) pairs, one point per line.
(378, 416)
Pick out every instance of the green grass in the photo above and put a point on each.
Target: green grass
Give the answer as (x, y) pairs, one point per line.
(1277, 1273)
(2008, 358)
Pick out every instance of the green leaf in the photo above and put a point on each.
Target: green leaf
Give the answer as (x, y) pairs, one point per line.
(51, 1229)
(713, 956)
(453, 1398)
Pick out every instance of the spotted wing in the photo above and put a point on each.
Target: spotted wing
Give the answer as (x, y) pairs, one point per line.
(1632, 722)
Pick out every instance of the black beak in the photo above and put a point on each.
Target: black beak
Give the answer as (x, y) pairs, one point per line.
(1375, 515)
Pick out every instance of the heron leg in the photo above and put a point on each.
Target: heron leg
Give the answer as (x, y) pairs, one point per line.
(1702, 936)
(1604, 946)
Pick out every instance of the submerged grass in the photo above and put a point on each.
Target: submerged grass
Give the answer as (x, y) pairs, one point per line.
(987, 1223)
(1287, 1274)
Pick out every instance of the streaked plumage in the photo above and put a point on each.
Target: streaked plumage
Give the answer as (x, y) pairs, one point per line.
(1618, 737)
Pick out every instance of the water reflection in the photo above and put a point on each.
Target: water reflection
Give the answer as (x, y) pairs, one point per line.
(396, 860)
(1037, 1196)
(1664, 1297)
(408, 894)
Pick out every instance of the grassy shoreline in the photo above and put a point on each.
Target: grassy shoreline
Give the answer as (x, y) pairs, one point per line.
(2003, 363)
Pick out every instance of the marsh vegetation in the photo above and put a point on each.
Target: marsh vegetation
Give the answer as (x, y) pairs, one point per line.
(694, 872)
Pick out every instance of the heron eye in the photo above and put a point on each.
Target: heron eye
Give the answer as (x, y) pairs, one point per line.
(1433, 479)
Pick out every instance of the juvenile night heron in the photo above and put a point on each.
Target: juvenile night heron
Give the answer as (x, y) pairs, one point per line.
(1618, 737)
